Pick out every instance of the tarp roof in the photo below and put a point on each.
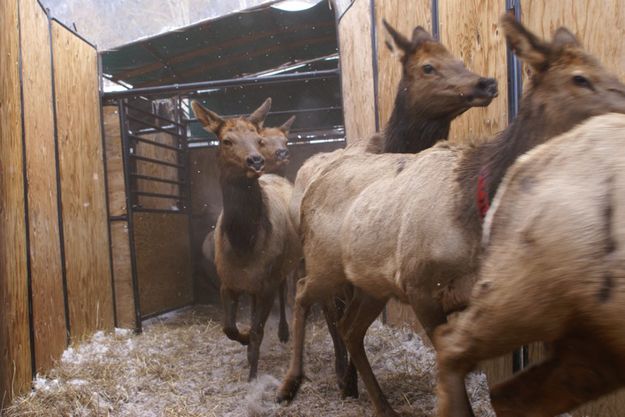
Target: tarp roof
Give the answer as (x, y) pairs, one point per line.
(228, 47)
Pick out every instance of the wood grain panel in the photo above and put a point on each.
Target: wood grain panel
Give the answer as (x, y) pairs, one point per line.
(357, 72)
(163, 261)
(114, 162)
(122, 271)
(470, 30)
(403, 16)
(48, 301)
(15, 363)
(85, 219)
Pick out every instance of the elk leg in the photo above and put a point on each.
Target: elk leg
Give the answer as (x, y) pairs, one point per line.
(346, 376)
(230, 304)
(361, 312)
(283, 327)
(304, 298)
(486, 330)
(261, 307)
(575, 373)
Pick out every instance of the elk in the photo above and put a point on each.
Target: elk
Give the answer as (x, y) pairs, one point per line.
(274, 151)
(434, 89)
(256, 246)
(420, 241)
(553, 272)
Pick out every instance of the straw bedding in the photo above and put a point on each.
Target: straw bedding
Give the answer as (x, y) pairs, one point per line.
(183, 365)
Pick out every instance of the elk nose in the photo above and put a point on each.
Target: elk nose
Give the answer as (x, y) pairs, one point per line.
(256, 162)
(488, 86)
(282, 154)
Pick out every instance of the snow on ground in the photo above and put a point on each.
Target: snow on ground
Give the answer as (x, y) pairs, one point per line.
(183, 365)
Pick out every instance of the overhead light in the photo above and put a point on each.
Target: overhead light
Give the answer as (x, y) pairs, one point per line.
(295, 5)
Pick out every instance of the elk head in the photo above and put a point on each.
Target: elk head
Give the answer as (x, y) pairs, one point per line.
(435, 81)
(239, 139)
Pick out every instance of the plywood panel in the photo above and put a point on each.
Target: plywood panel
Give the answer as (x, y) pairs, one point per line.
(114, 162)
(403, 16)
(122, 272)
(470, 30)
(15, 364)
(163, 261)
(48, 302)
(357, 71)
(82, 184)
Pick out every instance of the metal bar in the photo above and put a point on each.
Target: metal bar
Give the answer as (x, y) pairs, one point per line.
(151, 114)
(106, 187)
(122, 218)
(59, 197)
(374, 63)
(160, 129)
(435, 21)
(157, 179)
(130, 209)
(159, 195)
(154, 143)
(156, 161)
(29, 276)
(234, 82)
(278, 112)
(155, 210)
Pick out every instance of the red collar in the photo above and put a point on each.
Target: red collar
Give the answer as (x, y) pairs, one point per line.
(481, 197)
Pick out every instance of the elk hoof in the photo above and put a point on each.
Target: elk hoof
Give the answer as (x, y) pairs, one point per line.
(283, 333)
(288, 390)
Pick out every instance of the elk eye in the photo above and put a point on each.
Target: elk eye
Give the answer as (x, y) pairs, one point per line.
(226, 142)
(581, 81)
(428, 69)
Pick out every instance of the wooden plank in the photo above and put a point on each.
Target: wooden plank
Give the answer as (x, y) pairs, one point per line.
(470, 30)
(15, 360)
(48, 301)
(600, 30)
(114, 162)
(122, 271)
(403, 16)
(85, 222)
(357, 71)
(163, 263)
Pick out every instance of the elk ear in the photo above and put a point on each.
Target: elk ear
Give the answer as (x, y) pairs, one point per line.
(525, 44)
(209, 119)
(286, 126)
(397, 40)
(563, 37)
(420, 35)
(258, 117)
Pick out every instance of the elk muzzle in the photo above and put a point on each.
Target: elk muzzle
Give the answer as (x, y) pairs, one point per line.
(255, 163)
(483, 92)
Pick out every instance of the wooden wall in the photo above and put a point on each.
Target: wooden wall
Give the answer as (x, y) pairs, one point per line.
(354, 35)
(85, 222)
(48, 302)
(15, 364)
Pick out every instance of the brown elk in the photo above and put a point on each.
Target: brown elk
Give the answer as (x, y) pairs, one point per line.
(420, 242)
(554, 272)
(273, 149)
(434, 89)
(256, 245)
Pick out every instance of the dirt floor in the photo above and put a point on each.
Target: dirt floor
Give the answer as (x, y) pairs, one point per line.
(183, 365)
